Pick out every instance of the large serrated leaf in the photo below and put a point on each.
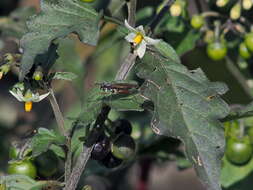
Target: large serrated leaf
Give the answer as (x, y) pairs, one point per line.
(57, 19)
(187, 107)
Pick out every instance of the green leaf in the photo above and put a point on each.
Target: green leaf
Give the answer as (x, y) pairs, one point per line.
(56, 20)
(42, 141)
(187, 106)
(18, 182)
(230, 173)
(166, 50)
(64, 76)
(188, 41)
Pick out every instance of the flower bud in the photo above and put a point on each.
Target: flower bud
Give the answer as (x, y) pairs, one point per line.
(247, 4)
(176, 9)
(221, 3)
(37, 75)
(235, 12)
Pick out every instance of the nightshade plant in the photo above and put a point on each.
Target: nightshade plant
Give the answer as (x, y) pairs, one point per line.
(184, 104)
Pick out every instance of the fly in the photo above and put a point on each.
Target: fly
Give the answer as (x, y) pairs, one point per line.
(118, 88)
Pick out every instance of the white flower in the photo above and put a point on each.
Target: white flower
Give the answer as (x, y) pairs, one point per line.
(139, 39)
(28, 97)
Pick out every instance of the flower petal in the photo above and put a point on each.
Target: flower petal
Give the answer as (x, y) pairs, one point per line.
(41, 97)
(141, 49)
(16, 96)
(151, 41)
(130, 37)
(141, 29)
(130, 27)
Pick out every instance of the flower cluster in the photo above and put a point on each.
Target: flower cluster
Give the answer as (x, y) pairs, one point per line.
(18, 91)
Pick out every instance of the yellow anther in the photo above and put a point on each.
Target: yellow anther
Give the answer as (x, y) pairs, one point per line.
(138, 38)
(28, 106)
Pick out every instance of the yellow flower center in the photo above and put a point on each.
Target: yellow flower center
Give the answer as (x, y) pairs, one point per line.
(138, 38)
(28, 106)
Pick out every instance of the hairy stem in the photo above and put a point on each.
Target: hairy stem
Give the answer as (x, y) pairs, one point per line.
(58, 115)
(238, 75)
(131, 12)
(60, 123)
(78, 169)
(126, 67)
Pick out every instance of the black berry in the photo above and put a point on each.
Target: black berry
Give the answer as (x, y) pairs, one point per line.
(122, 126)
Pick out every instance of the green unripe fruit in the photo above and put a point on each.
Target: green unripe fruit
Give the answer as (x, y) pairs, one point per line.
(243, 51)
(238, 151)
(197, 21)
(24, 167)
(87, 1)
(124, 147)
(216, 51)
(249, 41)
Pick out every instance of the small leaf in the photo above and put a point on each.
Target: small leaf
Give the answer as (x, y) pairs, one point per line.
(18, 182)
(166, 50)
(56, 20)
(188, 42)
(64, 76)
(43, 139)
(231, 174)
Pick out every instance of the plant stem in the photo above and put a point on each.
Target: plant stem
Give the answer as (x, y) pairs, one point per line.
(126, 67)
(113, 20)
(82, 160)
(78, 169)
(160, 15)
(237, 74)
(131, 12)
(60, 122)
(58, 115)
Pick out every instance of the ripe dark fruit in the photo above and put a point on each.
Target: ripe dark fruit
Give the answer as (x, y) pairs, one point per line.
(47, 164)
(243, 51)
(122, 126)
(197, 21)
(24, 167)
(216, 51)
(111, 161)
(124, 147)
(101, 149)
(238, 151)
